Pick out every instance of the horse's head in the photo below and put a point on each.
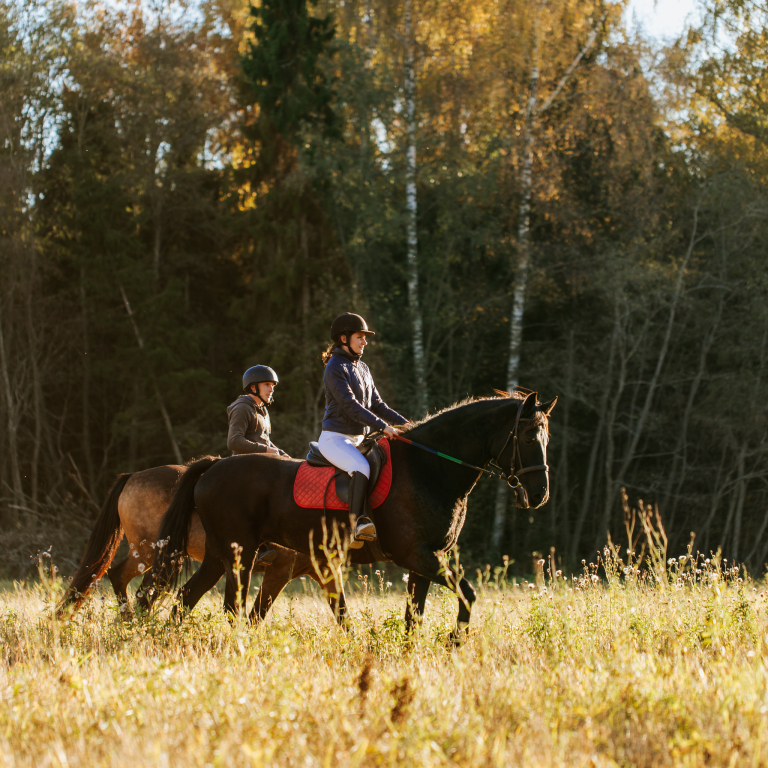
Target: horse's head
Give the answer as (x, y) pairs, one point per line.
(524, 454)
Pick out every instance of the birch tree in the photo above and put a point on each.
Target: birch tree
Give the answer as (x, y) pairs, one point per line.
(417, 331)
(535, 109)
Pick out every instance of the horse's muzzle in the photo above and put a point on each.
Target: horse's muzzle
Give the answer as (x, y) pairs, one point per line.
(521, 495)
(522, 500)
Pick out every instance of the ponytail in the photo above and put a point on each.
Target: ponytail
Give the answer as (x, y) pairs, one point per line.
(330, 349)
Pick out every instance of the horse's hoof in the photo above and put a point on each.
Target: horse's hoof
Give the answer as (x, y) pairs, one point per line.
(459, 635)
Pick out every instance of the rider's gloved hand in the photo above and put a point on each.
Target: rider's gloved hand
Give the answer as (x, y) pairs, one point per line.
(390, 432)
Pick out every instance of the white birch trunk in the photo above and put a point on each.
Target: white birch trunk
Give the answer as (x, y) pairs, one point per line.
(523, 266)
(521, 283)
(411, 208)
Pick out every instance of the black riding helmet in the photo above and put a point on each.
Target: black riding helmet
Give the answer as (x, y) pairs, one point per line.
(257, 374)
(349, 323)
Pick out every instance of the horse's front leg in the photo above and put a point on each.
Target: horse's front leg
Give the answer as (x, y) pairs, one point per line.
(428, 566)
(337, 600)
(418, 589)
(204, 579)
(238, 581)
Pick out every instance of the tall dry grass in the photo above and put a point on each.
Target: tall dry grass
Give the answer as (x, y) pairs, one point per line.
(613, 666)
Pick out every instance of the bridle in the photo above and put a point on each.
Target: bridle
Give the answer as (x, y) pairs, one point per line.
(516, 467)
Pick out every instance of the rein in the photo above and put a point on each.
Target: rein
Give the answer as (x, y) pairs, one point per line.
(520, 492)
(451, 458)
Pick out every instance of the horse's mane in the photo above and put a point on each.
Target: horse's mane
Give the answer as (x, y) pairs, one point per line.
(517, 395)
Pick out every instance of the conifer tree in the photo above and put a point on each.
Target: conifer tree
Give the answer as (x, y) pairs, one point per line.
(290, 122)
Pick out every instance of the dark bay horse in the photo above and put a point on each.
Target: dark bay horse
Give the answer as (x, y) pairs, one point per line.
(134, 507)
(246, 500)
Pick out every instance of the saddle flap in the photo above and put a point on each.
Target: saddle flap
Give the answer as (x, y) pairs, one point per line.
(377, 458)
(315, 487)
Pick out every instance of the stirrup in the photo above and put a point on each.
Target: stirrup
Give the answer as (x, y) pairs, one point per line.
(365, 530)
(267, 557)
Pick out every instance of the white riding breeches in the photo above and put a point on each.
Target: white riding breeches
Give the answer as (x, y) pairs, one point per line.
(341, 451)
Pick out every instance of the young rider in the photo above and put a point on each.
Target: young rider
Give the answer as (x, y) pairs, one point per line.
(353, 407)
(249, 425)
(250, 428)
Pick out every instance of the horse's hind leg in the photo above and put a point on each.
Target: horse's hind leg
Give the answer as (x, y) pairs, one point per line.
(282, 570)
(418, 589)
(120, 575)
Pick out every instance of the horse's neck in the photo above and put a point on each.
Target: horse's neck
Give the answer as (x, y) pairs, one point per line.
(462, 436)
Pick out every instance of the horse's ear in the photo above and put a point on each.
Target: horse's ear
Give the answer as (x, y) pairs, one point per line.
(529, 405)
(546, 408)
(502, 393)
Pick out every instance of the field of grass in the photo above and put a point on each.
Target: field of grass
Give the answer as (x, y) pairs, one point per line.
(662, 668)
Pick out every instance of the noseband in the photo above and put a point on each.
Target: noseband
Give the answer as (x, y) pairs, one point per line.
(516, 467)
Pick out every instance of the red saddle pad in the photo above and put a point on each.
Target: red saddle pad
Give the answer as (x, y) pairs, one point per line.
(311, 483)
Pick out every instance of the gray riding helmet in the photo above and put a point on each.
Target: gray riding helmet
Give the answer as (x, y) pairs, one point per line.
(257, 374)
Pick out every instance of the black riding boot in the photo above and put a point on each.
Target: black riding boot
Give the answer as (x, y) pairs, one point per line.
(365, 530)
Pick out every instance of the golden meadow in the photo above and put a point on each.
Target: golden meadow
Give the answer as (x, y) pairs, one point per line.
(617, 665)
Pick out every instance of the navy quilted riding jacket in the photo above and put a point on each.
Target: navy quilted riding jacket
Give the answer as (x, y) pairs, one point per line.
(352, 402)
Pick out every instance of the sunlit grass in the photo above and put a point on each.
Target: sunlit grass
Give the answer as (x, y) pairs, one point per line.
(634, 670)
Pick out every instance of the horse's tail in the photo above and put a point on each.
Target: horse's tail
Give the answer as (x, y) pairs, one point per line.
(100, 550)
(174, 531)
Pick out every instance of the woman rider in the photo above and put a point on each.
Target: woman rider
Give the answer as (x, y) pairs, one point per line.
(353, 407)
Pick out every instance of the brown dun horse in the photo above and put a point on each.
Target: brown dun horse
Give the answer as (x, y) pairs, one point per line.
(134, 507)
(244, 501)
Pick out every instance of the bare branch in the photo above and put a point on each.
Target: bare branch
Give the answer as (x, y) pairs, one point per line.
(571, 69)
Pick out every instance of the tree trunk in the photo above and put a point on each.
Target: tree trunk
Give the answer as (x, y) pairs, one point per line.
(306, 353)
(133, 429)
(613, 485)
(680, 461)
(521, 283)
(522, 267)
(158, 395)
(586, 500)
(719, 488)
(563, 479)
(37, 398)
(85, 395)
(12, 425)
(417, 330)
(610, 445)
(741, 492)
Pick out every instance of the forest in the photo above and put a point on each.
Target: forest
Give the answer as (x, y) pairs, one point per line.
(512, 192)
